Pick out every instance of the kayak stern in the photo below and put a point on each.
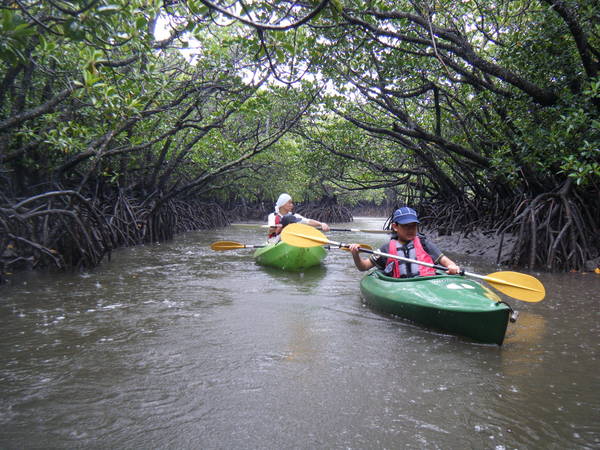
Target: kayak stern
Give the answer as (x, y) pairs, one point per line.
(289, 258)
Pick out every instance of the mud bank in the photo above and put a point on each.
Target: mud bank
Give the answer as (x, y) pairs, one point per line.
(486, 245)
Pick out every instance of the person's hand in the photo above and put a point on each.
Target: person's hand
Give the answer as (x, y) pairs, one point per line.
(324, 226)
(453, 269)
(354, 248)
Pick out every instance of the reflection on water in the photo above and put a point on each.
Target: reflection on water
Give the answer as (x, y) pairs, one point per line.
(178, 346)
(529, 329)
(306, 279)
(524, 345)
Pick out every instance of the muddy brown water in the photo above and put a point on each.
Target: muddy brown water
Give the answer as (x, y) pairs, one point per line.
(176, 346)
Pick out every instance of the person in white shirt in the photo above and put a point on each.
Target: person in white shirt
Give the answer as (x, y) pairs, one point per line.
(284, 206)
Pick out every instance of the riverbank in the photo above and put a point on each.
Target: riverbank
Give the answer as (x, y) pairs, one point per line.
(489, 246)
(485, 244)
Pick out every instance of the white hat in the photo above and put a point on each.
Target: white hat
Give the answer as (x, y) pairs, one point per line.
(282, 200)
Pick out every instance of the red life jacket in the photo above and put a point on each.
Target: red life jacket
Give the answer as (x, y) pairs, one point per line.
(277, 230)
(414, 251)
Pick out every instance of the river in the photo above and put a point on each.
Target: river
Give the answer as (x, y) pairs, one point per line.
(175, 346)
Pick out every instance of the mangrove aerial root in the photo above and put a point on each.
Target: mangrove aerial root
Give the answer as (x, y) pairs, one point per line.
(62, 229)
(555, 231)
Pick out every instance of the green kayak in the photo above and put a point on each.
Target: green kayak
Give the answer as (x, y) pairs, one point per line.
(450, 303)
(286, 257)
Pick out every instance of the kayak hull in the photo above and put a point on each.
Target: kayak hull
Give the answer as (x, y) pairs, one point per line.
(287, 257)
(450, 303)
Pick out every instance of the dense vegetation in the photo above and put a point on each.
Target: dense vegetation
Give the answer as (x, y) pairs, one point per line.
(125, 122)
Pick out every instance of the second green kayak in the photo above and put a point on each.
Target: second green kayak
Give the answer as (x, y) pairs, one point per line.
(286, 257)
(449, 303)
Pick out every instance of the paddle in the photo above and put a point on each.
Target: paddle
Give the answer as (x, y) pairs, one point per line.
(514, 284)
(359, 230)
(230, 245)
(330, 229)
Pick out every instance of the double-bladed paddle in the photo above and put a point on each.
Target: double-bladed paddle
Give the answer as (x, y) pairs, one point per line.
(356, 230)
(514, 284)
(231, 245)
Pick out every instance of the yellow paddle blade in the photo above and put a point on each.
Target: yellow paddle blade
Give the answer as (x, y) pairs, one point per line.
(226, 245)
(299, 235)
(517, 285)
(365, 246)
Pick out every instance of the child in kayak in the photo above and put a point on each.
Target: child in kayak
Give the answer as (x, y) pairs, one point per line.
(406, 242)
(283, 207)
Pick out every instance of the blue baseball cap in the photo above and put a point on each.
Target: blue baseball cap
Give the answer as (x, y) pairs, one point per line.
(405, 215)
